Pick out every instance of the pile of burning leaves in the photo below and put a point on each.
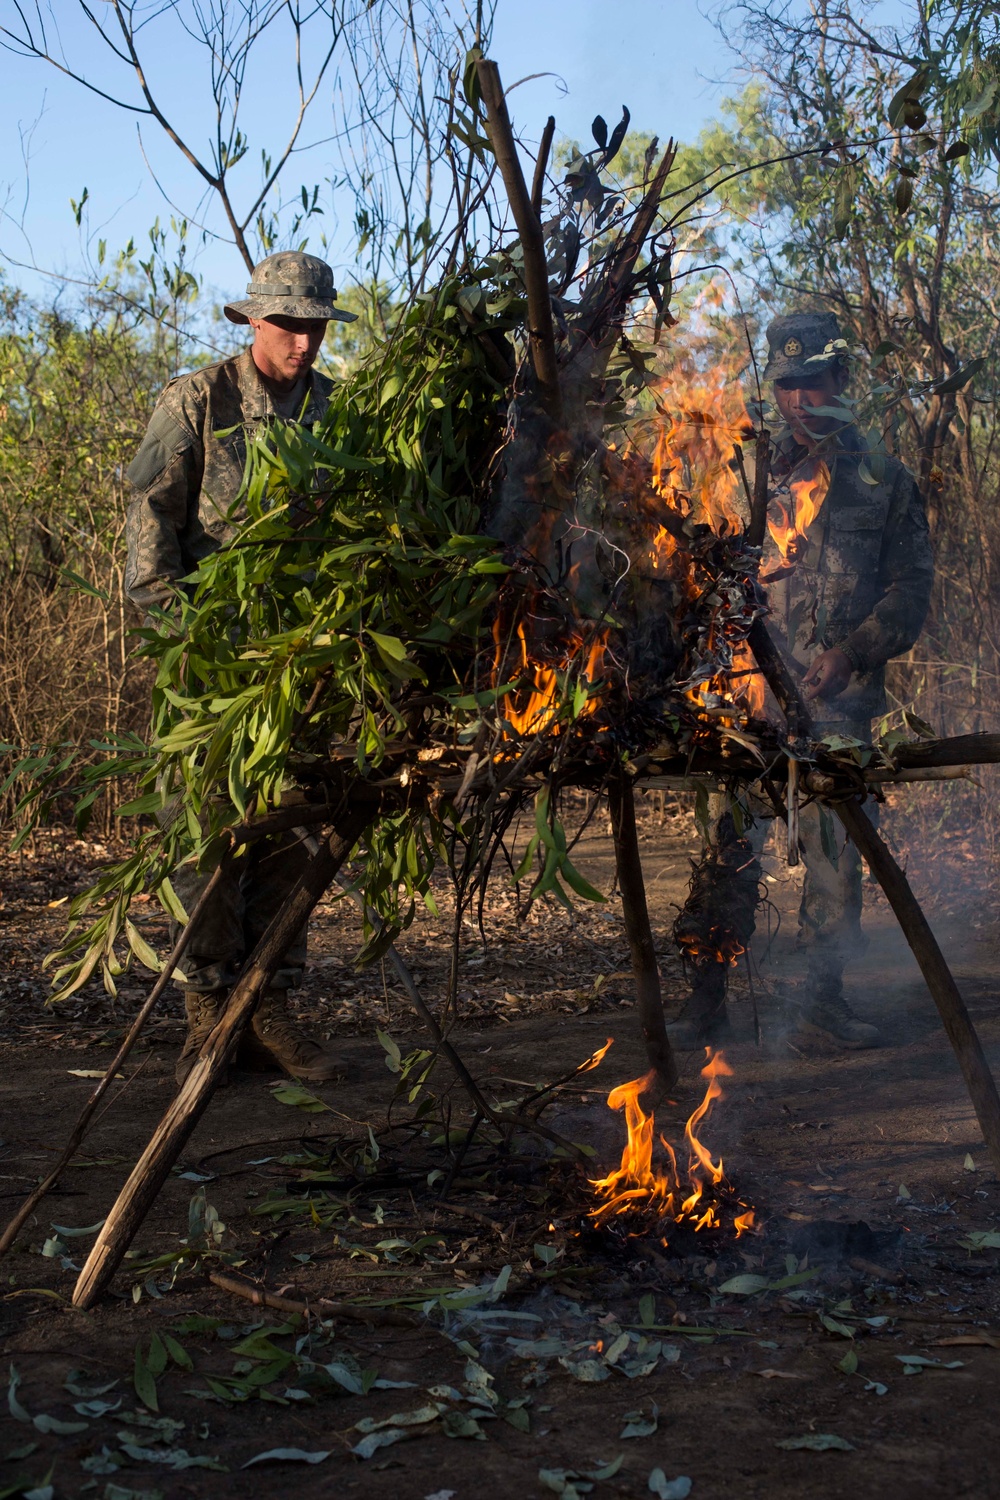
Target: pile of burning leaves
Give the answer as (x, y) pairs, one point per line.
(672, 1200)
(662, 1198)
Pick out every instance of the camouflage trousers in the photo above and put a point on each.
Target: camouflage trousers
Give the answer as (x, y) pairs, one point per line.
(239, 913)
(721, 907)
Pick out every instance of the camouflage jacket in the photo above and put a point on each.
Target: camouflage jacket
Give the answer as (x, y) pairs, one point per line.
(188, 472)
(862, 577)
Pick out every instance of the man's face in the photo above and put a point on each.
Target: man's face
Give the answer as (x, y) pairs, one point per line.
(798, 396)
(285, 348)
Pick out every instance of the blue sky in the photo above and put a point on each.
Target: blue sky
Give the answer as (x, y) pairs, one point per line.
(663, 58)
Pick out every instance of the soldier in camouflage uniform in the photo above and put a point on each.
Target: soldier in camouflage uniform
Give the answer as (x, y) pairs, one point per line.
(186, 480)
(852, 596)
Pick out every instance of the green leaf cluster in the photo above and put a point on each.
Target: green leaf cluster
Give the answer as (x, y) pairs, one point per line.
(356, 583)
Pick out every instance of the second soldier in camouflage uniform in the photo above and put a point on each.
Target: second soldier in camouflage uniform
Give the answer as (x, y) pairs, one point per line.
(186, 481)
(850, 598)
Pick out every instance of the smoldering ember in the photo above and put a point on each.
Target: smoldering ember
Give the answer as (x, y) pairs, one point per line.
(500, 801)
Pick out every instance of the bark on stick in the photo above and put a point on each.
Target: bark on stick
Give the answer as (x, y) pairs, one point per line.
(174, 1130)
(640, 937)
(541, 162)
(541, 330)
(962, 750)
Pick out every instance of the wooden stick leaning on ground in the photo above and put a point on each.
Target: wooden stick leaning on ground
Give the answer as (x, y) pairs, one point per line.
(173, 1131)
(951, 1007)
(915, 928)
(640, 937)
(79, 1130)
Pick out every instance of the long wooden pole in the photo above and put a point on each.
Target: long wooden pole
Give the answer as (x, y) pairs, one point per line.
(168, 1140)
(621, 800)
(945, 992)
(79, 1131)
(541, 329)
(961, 750)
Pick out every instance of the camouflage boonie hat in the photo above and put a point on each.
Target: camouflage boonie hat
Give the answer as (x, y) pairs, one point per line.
(803, 344)
(290, 284)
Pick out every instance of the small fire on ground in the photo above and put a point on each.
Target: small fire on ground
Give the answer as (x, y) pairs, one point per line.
(659, 1197)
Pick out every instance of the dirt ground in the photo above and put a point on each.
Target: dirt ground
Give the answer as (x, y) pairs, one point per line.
(851, 1347)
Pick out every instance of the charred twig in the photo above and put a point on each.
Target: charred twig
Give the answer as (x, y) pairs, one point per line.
(779, 680)
(747, 491)
(558, 1083)
(627, 254)
(757, 529)
(541, 329)
(792, 803)
(79, 1130)
(615, 287)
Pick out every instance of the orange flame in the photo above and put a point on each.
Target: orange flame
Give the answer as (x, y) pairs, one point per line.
(702, 421)
(694, 460)
(746, 683)
(692, 444)
(789, 529)
(540, 681)
(596, 1057)
(638, 1184)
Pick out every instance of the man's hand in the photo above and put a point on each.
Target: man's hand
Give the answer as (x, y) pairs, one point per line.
(829, 675)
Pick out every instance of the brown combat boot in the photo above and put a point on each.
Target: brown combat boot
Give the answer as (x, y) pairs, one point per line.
(299, 1055)
(829, 1018)
(202, 1010)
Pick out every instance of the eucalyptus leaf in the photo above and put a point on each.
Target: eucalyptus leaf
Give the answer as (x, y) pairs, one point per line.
(668, 1489)
(286, 1456)
(384, 1438)
(817, 1442)
(641, 1423)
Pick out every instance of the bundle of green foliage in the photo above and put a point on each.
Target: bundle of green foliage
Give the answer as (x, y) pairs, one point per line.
(358, 573)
